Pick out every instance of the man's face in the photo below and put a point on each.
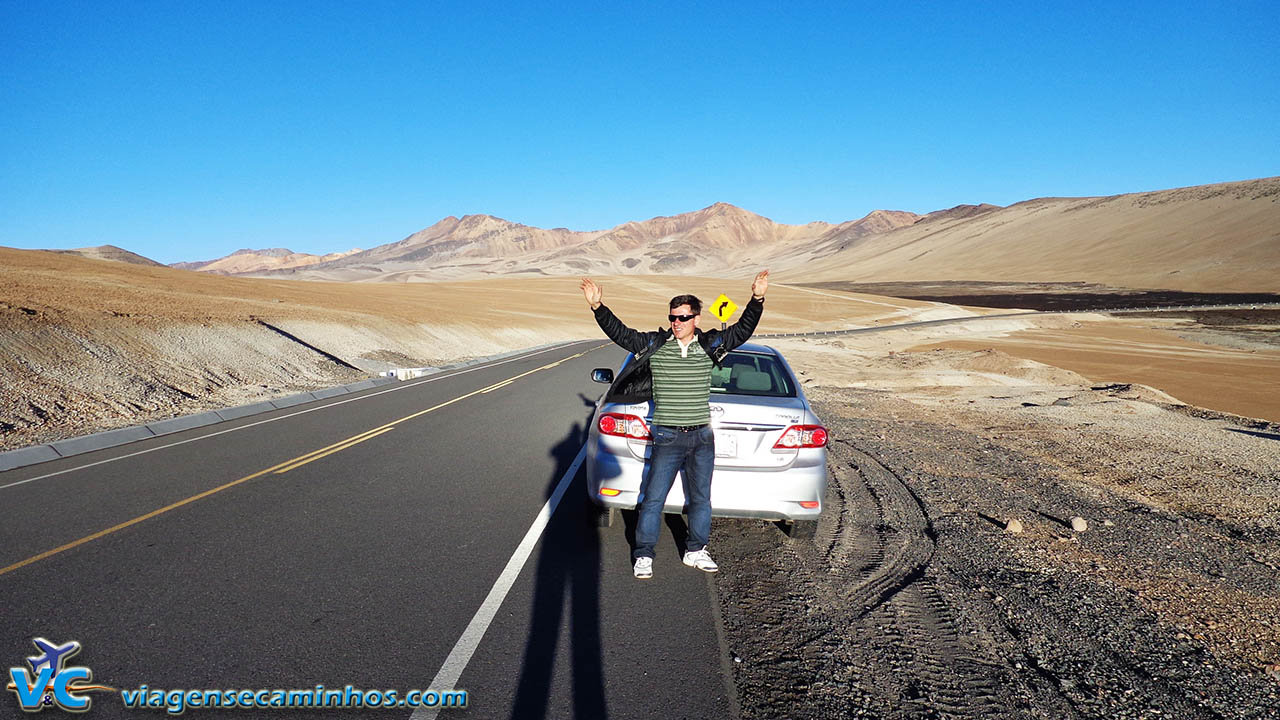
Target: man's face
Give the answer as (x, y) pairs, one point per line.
(683, 329)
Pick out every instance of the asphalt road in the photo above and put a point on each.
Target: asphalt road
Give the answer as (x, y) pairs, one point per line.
(237, 556)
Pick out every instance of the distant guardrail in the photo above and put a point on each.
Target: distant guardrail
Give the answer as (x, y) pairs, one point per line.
(417, 372)
(976, 318)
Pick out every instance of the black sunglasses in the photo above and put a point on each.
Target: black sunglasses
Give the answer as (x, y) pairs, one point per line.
(681, 318)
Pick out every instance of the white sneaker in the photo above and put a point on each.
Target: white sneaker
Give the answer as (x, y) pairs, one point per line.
(701, 560)
(644, 568)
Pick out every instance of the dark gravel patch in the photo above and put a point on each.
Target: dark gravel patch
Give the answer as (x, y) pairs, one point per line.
(1045, 296)
(913, 601)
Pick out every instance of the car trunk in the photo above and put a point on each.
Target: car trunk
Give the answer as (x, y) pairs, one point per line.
(746, 427)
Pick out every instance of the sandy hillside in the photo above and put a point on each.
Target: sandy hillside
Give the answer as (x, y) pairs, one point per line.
(110, 252)
(1210, 238)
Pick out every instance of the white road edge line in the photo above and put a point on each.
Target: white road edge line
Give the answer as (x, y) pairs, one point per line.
(456, 662)
(404, 386)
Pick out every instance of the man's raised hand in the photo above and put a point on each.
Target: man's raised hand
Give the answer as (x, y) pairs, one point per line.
(761, 284)
(591, 292)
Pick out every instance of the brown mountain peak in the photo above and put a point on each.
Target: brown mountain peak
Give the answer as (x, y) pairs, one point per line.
(885, 220)
(475, 218)
(724, 208)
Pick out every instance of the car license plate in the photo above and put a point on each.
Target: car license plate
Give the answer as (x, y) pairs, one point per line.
(726, 445)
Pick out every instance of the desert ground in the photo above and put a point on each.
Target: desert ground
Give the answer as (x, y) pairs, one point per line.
(1017, 543)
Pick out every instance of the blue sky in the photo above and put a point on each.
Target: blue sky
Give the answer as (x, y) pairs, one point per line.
(185, 131)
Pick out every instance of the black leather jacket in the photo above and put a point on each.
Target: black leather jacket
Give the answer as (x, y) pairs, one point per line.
(634, 383)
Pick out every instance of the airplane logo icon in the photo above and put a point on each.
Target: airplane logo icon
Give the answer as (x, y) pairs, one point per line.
(54, 655)
(50, 681)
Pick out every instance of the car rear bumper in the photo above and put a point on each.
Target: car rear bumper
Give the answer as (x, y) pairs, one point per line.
(770, 495)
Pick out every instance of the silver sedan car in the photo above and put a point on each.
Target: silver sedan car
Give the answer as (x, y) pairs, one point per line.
(771, 449)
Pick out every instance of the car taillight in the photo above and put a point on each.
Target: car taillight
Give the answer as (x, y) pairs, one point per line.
(802, 436)
(624, 426)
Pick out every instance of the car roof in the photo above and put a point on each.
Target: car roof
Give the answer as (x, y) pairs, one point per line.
(756, 348)
(745, 347)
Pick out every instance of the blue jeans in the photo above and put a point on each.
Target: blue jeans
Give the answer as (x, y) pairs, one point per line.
(694, 454)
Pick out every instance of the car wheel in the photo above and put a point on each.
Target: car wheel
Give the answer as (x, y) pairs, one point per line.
(802, 529)
(600, 516)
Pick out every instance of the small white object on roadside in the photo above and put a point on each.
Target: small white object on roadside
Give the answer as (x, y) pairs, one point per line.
(1014, 525)
(1079, 524)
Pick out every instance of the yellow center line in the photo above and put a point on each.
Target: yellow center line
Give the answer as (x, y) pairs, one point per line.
(353, 439)
(282, 467)
(340, 447)
(491, 388)
(135, 521)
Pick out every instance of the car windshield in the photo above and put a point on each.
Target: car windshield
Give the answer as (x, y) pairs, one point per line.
(745, 373)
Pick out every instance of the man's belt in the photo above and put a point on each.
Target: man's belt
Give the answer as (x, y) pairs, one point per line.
(685, 428)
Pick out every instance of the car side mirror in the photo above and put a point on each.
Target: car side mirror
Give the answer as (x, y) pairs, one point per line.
(602, 375)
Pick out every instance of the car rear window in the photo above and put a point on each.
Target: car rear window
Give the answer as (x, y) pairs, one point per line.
(744, 373)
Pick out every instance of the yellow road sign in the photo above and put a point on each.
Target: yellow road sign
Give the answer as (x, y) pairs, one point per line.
(723, 308)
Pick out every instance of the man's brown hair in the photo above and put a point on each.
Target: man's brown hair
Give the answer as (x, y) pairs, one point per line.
(694, 303)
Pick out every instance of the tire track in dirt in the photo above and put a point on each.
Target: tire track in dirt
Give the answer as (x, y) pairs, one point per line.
(905, 538)
(946, 675)
(855, 621)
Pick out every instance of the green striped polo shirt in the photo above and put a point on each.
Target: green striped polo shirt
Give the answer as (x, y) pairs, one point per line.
(681, 384)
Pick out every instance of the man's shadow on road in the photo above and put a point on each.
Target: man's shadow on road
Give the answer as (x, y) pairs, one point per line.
(568, 573)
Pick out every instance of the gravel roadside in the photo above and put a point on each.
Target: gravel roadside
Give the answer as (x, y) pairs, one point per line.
(914, 601)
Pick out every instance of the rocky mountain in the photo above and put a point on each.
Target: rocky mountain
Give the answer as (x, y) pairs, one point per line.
(472, 236)
(712, 239)
(1205, 237)
(110, 252)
